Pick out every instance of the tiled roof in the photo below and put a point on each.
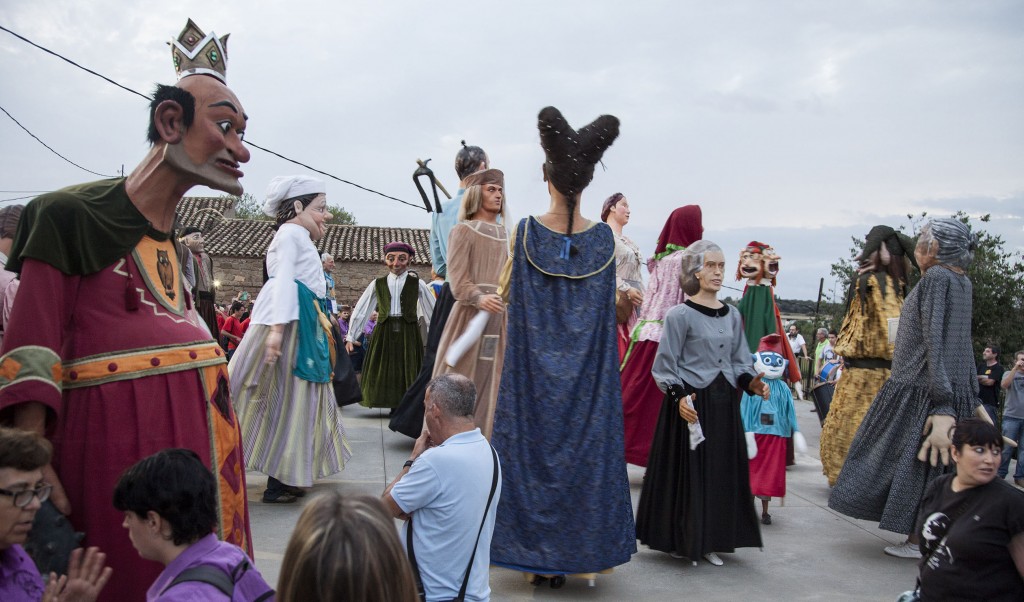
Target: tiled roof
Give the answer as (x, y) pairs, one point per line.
(202, 211)
(250, 238)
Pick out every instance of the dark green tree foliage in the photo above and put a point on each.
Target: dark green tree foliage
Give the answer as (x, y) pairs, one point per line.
(248, 206)
(997, 276)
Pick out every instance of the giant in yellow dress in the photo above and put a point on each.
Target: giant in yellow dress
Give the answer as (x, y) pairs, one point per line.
(864, 344)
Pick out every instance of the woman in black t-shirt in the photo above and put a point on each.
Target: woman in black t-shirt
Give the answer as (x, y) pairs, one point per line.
(972, 524)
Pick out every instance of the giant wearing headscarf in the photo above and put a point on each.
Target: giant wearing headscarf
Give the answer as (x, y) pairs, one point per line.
(875, 298)
(105, 351)
(931, 386)
(565, 505)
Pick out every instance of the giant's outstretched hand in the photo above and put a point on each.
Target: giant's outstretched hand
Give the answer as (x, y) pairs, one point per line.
(757, 387)
(936, 444)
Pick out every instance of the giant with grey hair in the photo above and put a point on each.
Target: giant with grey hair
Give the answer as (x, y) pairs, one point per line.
(455, 394)
(693, 261)
(956, 241)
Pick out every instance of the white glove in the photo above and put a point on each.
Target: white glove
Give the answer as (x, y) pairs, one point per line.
(799, 443)
(751, 446)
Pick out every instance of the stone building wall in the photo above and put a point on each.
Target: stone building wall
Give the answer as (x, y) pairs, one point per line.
(237, 274)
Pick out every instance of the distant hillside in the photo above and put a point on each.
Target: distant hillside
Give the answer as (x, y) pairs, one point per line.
(795, 306)
(788, 306)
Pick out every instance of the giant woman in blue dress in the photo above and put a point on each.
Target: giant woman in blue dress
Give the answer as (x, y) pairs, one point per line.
(565, 506)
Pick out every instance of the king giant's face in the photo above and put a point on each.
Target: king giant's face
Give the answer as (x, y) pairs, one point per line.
(772, 364)
(212, 149)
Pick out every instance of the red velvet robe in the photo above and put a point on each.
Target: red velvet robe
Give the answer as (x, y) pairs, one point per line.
(126, 368)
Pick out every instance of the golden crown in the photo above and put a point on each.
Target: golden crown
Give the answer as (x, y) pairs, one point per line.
(197, 53)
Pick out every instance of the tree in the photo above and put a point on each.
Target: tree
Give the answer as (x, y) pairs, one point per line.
(248, 206)
(997, 277)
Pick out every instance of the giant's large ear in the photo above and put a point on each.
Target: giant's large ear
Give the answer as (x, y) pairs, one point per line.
(169, 120)
(297, 205)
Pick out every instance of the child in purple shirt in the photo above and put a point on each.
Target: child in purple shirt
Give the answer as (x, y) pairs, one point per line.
(169, 504)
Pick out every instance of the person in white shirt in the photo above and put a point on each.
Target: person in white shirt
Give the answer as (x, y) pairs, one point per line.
(395, 351)
(799, 347)
(280, 374)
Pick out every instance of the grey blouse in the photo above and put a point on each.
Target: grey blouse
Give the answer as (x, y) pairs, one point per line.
(698, 343)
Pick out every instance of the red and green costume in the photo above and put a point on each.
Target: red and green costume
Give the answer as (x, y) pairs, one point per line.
(106, 337)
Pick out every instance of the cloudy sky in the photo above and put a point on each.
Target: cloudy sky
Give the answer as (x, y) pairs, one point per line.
(796, 122)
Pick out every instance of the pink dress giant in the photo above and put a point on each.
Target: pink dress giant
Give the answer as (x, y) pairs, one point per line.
(641, 397)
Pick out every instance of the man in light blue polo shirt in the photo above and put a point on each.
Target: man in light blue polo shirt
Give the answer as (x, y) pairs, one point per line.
(444, 488)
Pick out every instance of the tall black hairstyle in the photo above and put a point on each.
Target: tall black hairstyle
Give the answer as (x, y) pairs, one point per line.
(176, 94)
(572, 154)
(175, 484)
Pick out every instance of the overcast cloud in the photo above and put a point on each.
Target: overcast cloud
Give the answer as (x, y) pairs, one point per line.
(799, 123)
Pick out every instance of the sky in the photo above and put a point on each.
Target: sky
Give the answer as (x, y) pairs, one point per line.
(799, 123)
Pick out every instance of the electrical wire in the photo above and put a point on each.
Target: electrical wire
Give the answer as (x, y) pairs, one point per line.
(86, 69)
(18, 198)
(329, 175)
(51, 148)
(149, 98)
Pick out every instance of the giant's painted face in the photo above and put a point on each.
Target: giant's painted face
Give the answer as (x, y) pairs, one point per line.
(313, 217)
(770, 260)
(750, 267)
(194, 242)
(397, 262)
(212, 148)
(772, 364)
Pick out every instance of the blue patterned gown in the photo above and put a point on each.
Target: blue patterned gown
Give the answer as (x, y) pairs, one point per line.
(565, 505)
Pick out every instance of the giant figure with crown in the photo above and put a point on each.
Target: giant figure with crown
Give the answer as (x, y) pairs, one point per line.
(106, 353)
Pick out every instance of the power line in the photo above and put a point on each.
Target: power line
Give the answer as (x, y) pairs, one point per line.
(149, 98)
(18, 198)
(47, 50)
(267, 150)
(51, 148)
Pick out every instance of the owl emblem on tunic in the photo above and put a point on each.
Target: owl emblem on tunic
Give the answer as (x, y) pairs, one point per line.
(166, 272)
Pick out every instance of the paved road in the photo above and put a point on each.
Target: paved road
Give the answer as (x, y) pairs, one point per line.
(811, 553)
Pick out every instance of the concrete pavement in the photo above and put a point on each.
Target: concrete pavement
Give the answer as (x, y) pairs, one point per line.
(810, 553)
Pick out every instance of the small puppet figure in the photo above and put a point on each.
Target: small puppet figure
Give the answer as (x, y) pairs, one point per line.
(768, 424)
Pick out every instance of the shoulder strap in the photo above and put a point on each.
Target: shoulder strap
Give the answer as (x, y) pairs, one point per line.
(483, 521)
(412, 560)
(205, 574)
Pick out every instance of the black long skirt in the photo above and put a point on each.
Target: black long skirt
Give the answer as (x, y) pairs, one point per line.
(698, 501)
(408, 417)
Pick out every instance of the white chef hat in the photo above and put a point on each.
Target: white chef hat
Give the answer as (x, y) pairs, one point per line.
(283, 188)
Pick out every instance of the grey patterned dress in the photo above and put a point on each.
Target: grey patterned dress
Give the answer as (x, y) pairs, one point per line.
(932, 373)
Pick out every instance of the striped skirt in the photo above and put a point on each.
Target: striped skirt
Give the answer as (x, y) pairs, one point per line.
(291, 428)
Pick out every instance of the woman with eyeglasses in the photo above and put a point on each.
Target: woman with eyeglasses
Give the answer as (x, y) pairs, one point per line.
(22, 493)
